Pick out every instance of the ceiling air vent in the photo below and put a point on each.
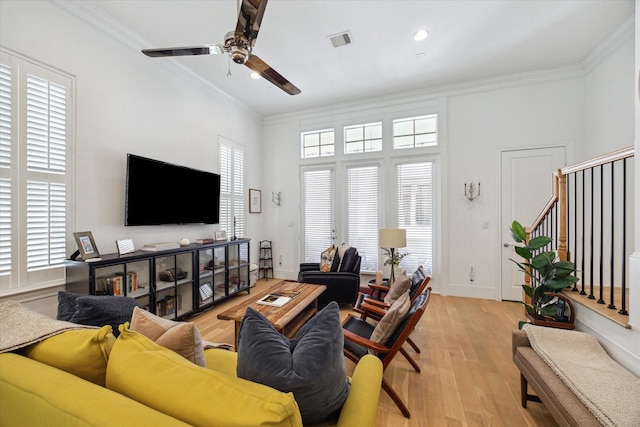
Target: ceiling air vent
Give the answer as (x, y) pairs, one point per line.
(341, 39)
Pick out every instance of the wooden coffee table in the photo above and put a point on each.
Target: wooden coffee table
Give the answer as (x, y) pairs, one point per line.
(287, 319)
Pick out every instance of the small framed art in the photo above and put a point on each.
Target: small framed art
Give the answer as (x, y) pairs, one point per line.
(255, 201)
(125, 246)
(221, 236)
(86, 245)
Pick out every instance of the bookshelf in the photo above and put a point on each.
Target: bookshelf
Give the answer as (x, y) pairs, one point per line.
(172, 283)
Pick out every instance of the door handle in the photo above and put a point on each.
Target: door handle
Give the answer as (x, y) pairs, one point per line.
(506, 245)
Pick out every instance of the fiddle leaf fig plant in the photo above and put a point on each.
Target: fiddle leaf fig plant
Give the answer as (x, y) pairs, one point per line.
(547, 275)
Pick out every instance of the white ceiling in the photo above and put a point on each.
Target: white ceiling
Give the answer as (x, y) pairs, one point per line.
(468, 40)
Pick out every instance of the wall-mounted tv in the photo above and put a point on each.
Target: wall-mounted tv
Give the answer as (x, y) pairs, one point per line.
(159, 193)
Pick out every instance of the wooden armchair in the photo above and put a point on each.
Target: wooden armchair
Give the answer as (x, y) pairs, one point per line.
(357, 343)
(375, 308)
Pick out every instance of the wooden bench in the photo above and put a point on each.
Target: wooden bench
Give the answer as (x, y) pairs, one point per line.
(563, 405)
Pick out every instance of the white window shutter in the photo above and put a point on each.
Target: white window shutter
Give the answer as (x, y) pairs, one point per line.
(363, 207)
(415, 213)
(318, 199)
(232, 189)
(6, 131)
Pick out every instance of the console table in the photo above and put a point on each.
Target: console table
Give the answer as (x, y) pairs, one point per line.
(173, 283)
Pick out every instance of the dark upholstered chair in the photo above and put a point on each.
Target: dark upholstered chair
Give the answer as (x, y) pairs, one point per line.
(357, 343)
(342, 282)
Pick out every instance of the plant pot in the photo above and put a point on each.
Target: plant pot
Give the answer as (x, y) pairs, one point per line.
(550, 322)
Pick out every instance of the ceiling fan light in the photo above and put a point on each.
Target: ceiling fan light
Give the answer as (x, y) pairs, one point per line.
(420, 35)
(255, 76)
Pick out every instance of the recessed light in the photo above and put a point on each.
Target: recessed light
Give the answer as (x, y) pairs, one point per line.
(255, 75)
(420, 35)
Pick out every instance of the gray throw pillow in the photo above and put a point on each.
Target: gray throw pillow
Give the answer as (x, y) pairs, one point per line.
(311, 365)
(96, 310)
(67, 305)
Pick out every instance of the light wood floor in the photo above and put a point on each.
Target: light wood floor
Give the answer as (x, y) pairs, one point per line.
(468, 377)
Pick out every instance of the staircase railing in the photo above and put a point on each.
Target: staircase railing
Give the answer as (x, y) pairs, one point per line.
(589, 218)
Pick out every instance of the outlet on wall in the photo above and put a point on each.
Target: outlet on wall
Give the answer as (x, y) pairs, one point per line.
(472, 274)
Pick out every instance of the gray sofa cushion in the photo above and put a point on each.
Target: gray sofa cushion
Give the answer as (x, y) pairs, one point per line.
(311, 365)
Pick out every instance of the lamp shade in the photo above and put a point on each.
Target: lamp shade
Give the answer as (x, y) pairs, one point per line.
(393, 238)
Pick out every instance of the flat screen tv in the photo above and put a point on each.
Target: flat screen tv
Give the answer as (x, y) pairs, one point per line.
(159, 193)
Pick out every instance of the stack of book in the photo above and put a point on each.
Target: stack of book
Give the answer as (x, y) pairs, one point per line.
(160, 246)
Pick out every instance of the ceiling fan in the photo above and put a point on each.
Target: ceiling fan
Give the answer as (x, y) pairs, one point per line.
(238, 44)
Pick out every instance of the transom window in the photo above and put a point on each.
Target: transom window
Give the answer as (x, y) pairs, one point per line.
(319, 143)
(363, 138)
(415, 132)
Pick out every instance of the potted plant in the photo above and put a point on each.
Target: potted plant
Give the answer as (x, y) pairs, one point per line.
(547, 277)
(392, 259)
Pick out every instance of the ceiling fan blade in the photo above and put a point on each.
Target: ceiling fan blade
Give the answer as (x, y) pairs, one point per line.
(212, 49)
(259, 66)
(250, 17)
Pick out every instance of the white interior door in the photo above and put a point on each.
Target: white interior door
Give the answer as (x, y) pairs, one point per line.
(526, 186)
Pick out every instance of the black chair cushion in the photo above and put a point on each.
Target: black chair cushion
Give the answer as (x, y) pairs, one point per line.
(360, 328)
(350, 260)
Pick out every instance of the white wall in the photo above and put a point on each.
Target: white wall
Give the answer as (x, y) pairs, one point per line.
(609, 99)
(126, 102)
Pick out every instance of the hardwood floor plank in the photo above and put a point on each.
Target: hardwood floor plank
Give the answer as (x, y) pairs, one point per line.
(468, 378)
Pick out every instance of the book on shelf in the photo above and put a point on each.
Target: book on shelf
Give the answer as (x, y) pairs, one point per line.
(278, 299)
(204, 241)
(160, 246)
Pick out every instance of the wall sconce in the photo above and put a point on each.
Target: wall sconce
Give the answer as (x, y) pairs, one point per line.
(276, 197)
(470, 191)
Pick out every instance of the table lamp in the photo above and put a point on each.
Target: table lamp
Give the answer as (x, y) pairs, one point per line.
(392, 238)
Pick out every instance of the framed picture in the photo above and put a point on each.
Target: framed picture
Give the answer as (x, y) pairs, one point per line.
(125, 246)
(86, 245)
(255, 201)
(221, 236)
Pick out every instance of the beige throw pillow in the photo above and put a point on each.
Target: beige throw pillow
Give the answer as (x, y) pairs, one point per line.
(398, 288)
(390, 321)
(181, 337)
(326, 258)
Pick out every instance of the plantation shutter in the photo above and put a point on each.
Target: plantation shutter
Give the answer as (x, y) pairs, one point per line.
(6, 130)
(318, 205)
(363, 209)
(231, 188)
(36, 120)
(238, 192)
(46, 166)
(415, 213)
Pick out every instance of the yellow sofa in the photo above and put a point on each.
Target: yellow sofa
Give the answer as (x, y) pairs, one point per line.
(147, 384)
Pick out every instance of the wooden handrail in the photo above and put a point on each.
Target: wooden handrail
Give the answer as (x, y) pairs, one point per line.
(620, 154)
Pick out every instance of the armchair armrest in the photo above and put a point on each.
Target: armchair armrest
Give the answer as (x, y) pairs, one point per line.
(379, 288)
(377, 303)
(309, 266)
(361, 406)
(376, 310)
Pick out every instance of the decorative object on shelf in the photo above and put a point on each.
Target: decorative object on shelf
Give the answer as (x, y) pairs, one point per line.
(255, 201)
(125, 246)
(221, 236)
(276, 197)
(471, 192)
(266, 259)
(184, 242)
(86, 245)
(547, 277)
(390, 240)
(234, 237)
